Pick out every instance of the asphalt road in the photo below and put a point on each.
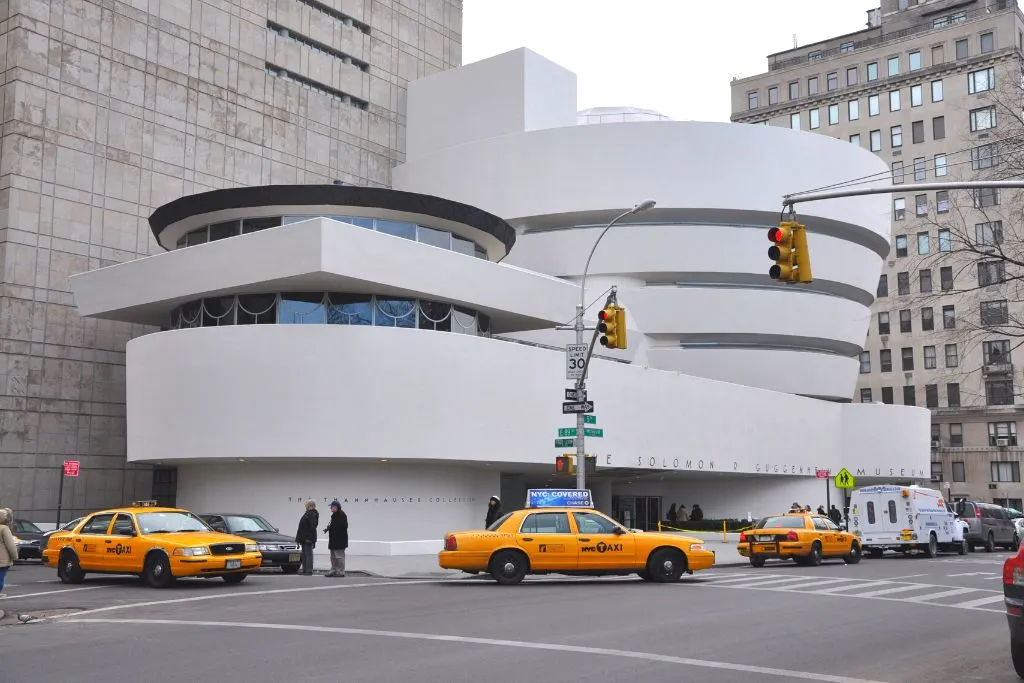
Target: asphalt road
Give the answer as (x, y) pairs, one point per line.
(893, 620)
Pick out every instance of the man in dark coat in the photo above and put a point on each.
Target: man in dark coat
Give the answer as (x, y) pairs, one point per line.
(493, 511)
(337, 539)
(306, 536)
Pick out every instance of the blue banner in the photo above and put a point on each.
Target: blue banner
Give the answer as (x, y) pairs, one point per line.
(558, 498)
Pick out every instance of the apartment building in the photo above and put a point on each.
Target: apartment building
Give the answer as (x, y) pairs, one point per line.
(113, 108)
(919, 87)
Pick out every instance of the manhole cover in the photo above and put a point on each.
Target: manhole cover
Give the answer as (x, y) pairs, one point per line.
(12, 617)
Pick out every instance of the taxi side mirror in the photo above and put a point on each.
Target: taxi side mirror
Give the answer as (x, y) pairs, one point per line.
(619, 531)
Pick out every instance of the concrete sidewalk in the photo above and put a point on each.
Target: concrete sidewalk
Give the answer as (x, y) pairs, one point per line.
(426, 567)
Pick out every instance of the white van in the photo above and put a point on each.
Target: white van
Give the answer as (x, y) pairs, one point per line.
(904, 518)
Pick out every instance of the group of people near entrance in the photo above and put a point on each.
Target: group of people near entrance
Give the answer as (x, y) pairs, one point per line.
(337, 538)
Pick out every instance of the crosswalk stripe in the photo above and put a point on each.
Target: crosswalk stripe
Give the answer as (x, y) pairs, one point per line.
(897, 589)
(859, 584)
(941, 594)
(980, 601)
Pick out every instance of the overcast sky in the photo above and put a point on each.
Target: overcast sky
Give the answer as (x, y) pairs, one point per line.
(674, 56)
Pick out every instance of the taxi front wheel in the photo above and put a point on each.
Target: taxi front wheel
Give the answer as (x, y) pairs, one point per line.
(508, 567)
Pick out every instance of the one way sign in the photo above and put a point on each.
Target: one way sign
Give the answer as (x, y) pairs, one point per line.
(572, 407)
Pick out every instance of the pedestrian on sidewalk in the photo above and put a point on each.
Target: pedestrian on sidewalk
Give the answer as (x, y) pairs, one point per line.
(493, 511)
(8, 548)
(337, 539)
(306, 536)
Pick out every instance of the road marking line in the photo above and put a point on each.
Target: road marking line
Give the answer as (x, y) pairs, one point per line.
(63, 590)
(274, 591)
(869, 584)
(942, 594)
(897, 589)
(980, 601)
(555, 647)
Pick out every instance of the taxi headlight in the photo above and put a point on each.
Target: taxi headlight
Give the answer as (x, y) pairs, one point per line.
(695, 547)
(251, 548)
(191, 552)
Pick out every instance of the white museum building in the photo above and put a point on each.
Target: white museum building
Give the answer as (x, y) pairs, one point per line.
(397, 348)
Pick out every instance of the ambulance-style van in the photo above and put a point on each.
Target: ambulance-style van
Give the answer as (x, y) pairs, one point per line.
(904, 518)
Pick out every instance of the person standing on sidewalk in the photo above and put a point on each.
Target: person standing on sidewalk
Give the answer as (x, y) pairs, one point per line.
(337, 539)
(8, 548)
(306, 536)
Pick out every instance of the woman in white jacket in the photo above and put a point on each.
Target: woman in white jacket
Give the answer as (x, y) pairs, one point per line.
(8, 549)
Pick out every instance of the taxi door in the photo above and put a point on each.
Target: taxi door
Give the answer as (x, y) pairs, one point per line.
(548, 541)
(600, 547)
(828, 533)
(123, 551)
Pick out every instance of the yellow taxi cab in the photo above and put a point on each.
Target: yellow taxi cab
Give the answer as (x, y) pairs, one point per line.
(560, 532)
(802, 537)
(159, 544)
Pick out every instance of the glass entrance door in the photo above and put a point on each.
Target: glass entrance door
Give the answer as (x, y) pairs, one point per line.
(637, 512)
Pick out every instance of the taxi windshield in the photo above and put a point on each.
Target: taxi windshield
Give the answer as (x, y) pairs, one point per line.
(169, 522)
(783, 522)
(240, 524)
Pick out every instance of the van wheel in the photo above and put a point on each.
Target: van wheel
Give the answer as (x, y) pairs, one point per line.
(814, 557)
(990, 543)
(854, 556)
(932, 549)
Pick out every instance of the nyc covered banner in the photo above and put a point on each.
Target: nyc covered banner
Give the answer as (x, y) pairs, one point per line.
(554, 498)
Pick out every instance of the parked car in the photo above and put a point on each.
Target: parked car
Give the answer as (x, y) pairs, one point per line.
(988, 525)
(29, 539)
(278, 550)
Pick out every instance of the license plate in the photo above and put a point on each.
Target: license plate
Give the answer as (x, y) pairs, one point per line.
(294, 557)
(232, 564)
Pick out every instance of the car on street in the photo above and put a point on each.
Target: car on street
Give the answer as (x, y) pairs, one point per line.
(803, 537)
(551, 538)
(159, 544)
(29, 539)
(278, 550)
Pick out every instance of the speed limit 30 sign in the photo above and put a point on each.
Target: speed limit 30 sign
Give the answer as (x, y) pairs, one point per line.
(575, 360)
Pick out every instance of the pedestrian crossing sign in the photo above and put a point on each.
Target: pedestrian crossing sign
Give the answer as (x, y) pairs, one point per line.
(844, 480)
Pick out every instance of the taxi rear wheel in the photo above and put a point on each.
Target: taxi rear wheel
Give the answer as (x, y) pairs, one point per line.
(158, 571)
(509, 567)
(666, 565)
(69, 571)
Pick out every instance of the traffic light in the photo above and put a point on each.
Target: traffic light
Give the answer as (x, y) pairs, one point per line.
(565, 464)
(789, 251)
(612, 327)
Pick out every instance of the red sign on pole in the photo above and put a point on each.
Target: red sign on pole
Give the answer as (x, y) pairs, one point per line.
(821, 474)
(71, 468)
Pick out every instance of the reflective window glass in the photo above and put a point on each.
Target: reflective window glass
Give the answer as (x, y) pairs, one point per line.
(302, 308)
(397, 228)
(349, 309)
(395, 313)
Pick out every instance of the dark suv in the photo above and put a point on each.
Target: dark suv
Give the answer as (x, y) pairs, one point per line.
(988, 525)
(278, 550)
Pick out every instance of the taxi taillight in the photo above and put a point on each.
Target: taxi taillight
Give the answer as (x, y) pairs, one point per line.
(791, 536)
(450, 543)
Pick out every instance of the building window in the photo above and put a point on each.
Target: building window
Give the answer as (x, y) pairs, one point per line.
(794, 90)
(894, 100)
(927, 319)
(909, 396)
(897, 172)
(833, 114)
(883, 322)
(907, 359)
(865, 362)
(923, 244)
(905, 321)
(917, 132)
(851, 76)
(899, 210)
(921, 204)
(953, 394)
(812, 85)
(983, 118)
(942, 206)
(996, 352)
(985, 197)
(999, 392)
(893, 66)
(920, 168)
(903, 284)
(853, 110)
(988, 42)
(887, 395)
(1002, 433)
(949, 317)
(915, 60)
(930, 361)
(984, 156)
(995, 312)
(958, 471)
(952, 356)
(939, 129)
(956, 435)
(1006, 471)
(961, 49)
(981, 80)
(931, 396)
(832, 81)
(873, 71)
(901, 246)
(937, 91)
(896, 136)
(875, 139)
(916, 95)
(794, 121)
(773, 95)
(925, 278)
(883, 287)
(991, 273)
(989, 234)
(752, 100)
(815, 118)
(946, 278)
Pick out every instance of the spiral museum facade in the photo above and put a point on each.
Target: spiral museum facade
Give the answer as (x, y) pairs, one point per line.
(299, 352)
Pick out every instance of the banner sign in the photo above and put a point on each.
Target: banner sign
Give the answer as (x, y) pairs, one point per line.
(553, 498)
